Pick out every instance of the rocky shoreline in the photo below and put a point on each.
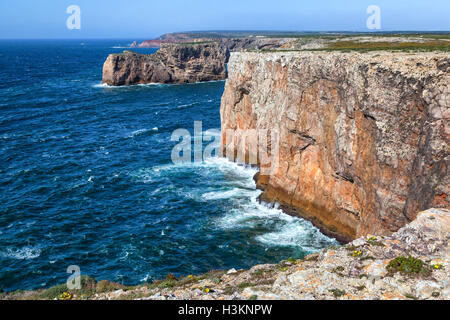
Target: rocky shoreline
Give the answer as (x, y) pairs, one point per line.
(412, 263)
(364, 149)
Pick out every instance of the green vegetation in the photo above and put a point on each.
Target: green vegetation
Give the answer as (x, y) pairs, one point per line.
(437, 266)
(222, 34)
(373, 241)
(436, 45)
(125, 52)
(312, 257)
(435, 294)
(356, 253)
(352, 248)
(435, 36)
(291, 260)
(337, 292)
(411, 296)
(338, 270)
(89, 287)
(106, 286)
(367, 258)
(408, 266)
(54, 292)
(194, 43)
(262, 273)
(244, 285)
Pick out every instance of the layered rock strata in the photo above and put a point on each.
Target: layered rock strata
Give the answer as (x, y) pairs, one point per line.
(180, 62)
(363, 137)
(172, 63)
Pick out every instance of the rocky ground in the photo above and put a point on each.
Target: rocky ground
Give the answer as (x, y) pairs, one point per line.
(367, 268)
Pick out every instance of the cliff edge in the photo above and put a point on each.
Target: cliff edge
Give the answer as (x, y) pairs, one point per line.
(363, 137)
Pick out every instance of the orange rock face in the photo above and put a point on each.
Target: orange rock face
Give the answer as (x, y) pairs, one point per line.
(362, 140)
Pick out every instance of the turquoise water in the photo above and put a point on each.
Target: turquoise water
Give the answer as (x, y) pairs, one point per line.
(86, 177)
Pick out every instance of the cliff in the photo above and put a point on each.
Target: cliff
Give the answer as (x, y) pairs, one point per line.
(182, 62)
(409, 264)
(363, 137)
(172, 63)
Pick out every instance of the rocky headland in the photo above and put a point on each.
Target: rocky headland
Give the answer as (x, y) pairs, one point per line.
(181, 62)
(172, 63)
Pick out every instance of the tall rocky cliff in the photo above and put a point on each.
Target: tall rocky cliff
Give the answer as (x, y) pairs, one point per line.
(364, 137)
(172, 63)
(180, 62)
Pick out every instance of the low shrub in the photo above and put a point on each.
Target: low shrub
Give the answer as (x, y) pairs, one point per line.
(408, 266)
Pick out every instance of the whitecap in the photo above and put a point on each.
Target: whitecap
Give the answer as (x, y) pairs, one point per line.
(146, 278)
(104, 85)
(298, 233)
(245, 211)
(137, 132)
(188, 105)
(236, 192)
(24, 253)
(142, 131)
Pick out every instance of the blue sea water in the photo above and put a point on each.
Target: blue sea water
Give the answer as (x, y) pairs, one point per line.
(86, 177)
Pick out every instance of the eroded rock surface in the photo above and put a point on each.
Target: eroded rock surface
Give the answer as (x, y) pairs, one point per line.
(183, 62)
(172, 63)
(364, 137)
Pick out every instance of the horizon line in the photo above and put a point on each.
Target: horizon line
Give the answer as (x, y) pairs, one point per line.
(231, 31)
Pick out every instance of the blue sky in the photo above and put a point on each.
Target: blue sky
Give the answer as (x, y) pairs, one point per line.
(143, 19)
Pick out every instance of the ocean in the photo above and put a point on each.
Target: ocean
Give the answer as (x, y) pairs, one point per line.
(86, 177)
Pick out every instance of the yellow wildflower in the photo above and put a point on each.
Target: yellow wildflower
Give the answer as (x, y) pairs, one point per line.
(65, 296)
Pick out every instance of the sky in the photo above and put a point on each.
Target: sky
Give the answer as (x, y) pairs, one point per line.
(147, 19)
